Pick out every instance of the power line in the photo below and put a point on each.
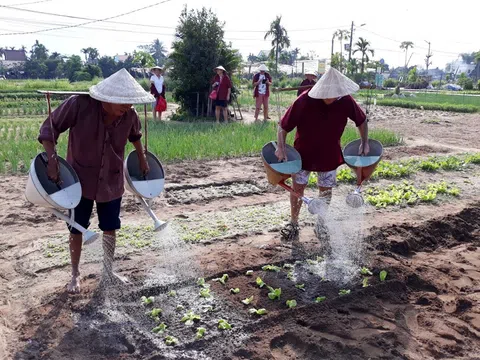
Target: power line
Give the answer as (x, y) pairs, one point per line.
(28, 3)
(88, 22)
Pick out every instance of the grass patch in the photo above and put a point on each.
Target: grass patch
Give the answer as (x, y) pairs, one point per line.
(169, 141)
(461, 108)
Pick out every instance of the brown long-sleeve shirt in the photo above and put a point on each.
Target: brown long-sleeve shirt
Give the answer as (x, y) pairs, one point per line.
(95, 150)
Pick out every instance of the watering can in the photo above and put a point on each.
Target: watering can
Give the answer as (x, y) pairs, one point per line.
(362, 165)
(279, 171)
(66, 195)
(145, 187)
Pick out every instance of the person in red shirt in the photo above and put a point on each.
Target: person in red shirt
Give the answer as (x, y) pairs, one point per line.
(223, 86)
(261, 92)
(99, 126)
(319, 117)
(308, 81)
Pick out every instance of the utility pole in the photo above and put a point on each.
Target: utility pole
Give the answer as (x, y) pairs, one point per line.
(429, 55)
(351, 40)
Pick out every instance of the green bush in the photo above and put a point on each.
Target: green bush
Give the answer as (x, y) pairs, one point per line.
(468, 84)
(82, 76)
(478, 85)
(390, 83)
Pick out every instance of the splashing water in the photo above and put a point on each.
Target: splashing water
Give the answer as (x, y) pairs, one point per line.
(175, 262)
(341, 232)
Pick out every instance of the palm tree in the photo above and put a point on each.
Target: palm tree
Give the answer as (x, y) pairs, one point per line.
(85, 52)
(279, 37)
(363, 47)
(341, 35)
(405, 45)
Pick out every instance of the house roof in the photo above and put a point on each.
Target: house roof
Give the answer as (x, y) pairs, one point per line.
(121, 57)
(15, 55)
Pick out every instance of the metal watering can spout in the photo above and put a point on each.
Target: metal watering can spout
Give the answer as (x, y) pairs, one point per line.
(362, 165)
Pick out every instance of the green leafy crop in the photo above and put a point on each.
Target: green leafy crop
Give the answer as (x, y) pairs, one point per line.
(155, 313)
(320, 299)
(224, 325)
(365, 282)
(222, 280)
(172, 293)
(271, 268)
(170, 340)
(147, 301)
(260, 282)
(383, 275)
(365, 271)
(160, 329)
(200, 332)
(300, 286)
(254, 311)
(291, 303)
(274, 293)
(248, 301)
(235, 291)
(189, 318)
(344, 292)
(249, 273)
(205, 293)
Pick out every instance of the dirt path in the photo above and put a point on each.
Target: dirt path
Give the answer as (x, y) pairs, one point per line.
(225, 219)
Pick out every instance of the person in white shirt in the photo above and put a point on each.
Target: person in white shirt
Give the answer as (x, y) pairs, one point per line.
(157, 89)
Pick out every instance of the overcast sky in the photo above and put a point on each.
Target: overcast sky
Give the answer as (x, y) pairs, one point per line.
(451, 29)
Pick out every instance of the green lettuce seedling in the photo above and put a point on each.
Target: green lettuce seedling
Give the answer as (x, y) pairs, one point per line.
(172, 293)
(260, 312)
(170, 340)
(180, 307)
(300, 286)
(155, 313)
(201, 282)
(260, 282)
(160, 329)
(249, 273)
(235, 291)
(208, 308)
(383, 275)
(291, 303)
(222, 280)
(190, 317)
(271, 268)
(201, 332)
(288, 266)
(320, 299)
(224, 325)
(290, 276)
(311, 262)
(205, 293)
(248, 301)
(365, 271)
(344, 292)
(147, 301)
(365, 282)
(274, 293)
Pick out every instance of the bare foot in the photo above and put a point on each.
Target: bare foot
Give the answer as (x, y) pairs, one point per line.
(74, 286)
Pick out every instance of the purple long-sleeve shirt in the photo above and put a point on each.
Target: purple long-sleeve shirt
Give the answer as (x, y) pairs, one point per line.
(95, 150)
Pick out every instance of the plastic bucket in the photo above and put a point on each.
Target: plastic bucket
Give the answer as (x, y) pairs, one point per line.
(43, 192)
(278, 171)
(149, 186)
(363, 166)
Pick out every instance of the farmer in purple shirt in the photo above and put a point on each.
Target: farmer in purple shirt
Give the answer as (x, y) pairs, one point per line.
(99, 124)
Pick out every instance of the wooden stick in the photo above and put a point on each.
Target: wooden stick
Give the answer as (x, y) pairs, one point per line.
(293, 88)
(146, 126)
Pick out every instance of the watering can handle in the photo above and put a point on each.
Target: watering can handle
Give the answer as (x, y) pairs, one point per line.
(274, 143)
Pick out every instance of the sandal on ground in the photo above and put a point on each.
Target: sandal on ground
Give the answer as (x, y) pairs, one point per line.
(290, 232)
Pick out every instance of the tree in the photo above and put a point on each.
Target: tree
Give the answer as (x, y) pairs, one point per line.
(144, 60)
(405, 45)
(35, 69)
(352, 66)
(107, 65)
(362, 46)
(412, 76)
(91, 55)
(336, 61)
(477, 65)
(72, 65)
(93, 70)
(280, 39)
(157, 50)
(39, 52)
(252, 58)
(468, 58)
(197, 49)
(341, 35)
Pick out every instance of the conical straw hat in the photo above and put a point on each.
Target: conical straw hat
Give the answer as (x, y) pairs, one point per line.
(120, 88)
(262, 68)
(333, 85)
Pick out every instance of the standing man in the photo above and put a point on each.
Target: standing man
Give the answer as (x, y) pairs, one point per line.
(309, 80)
(320, 116)
(261, 92)
(157, 89)
(99, 124)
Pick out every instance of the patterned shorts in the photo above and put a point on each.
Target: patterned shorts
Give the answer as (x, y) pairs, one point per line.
(326, 179)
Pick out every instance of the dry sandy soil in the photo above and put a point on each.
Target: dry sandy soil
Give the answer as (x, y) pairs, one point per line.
(224, 219)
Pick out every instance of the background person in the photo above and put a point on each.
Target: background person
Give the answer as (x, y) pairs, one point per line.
(261, 82)
(223, 86)
(319, 117)
(310, 80)
(157, 89)
(99, 124)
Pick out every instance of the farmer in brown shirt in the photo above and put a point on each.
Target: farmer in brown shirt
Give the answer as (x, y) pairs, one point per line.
(99, 124)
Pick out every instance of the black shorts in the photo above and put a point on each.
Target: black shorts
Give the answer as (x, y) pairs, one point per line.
(108, 215)
(221, 103)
